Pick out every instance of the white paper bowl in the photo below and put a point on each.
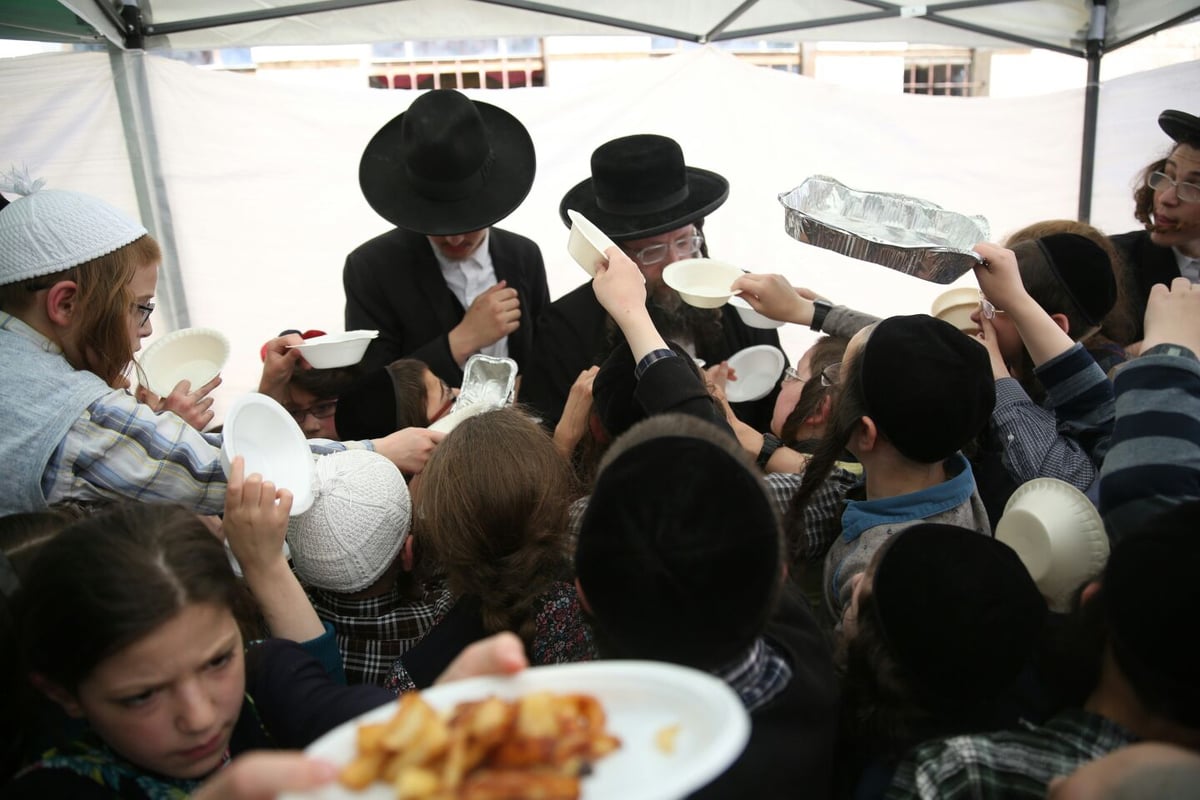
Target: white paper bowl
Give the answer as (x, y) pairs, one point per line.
(1059, 536)
(587, 243)
(751, 317)
(956, 307)
(336, 349)
(758, 369)
(263, 433)
(192, 354)
(702, 282)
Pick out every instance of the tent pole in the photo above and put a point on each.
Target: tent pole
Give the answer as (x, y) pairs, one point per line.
(1091, 105)
(133, 98)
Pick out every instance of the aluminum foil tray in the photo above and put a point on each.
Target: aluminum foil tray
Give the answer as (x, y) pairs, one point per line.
(903, 233)
(487, 379)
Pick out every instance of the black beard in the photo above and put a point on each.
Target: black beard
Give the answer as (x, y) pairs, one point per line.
(677, 320)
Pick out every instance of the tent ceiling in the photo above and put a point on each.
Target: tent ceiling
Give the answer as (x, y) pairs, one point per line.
(1060, 25)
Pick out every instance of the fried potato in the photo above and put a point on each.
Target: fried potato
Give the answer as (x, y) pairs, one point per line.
(535, 747)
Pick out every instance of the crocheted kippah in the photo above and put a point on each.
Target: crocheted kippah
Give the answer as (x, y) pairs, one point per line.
(43, 232)
(357, 524)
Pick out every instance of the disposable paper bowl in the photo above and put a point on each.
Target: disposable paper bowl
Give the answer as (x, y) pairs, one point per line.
(587, 243)
(1058, 534)
(758, 369)
(752, 317)
(263, 433)
(702, 282)
(336, 349)
(192, 354)
(956, 307)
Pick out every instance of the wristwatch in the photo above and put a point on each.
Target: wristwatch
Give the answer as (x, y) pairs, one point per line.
(821, 309)
(770, 444)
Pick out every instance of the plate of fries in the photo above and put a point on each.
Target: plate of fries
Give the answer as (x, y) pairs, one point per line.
(622, 730)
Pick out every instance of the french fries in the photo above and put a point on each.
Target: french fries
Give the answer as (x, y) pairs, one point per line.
(534, 748)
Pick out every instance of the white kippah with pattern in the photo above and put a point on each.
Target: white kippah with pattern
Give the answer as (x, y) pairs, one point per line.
(356, 525)
(43, 232)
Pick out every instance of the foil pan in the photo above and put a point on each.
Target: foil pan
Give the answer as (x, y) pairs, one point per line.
(487, 379)
(487, 384)
(903, 233)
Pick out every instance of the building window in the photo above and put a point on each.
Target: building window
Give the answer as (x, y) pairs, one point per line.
(953, 78)
(465, 64)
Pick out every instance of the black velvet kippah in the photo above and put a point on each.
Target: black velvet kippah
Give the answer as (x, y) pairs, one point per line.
(959, 612)
(613, 389)
(367, 408)
(928, 387)
(1083, 269)
(1151, 601)
(679, 554)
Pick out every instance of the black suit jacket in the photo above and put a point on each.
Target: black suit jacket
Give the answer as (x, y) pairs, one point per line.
(394, 285)
(1146, 264)
(571, 337)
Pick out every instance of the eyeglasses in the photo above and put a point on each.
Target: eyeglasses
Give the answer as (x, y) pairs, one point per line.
(145, 309)
(831, 374)
(322, 410)
(791, 376)
(684, 247)
(1186, 192)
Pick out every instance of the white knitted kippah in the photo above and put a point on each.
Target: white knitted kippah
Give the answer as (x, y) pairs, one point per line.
(43, 232)
(358, 521)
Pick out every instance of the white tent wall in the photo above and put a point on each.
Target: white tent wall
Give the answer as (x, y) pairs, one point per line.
(262, 177)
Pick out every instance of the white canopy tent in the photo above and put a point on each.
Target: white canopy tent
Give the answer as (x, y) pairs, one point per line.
(260, 179)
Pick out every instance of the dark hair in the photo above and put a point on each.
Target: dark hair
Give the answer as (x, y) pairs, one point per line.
(1143, 195)
(881, 715)
(491, 510)
(108, 580)
(827, 351)
(849, 407)
(104, 304)
(22, 535)
(408, 378)
(324, 384)
(1049, 293)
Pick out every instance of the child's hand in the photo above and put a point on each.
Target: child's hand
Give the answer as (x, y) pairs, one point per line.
(998, 276)
(195, 408)
(619, 285)
(773, 296)
(280, 360)
(1173, 316)
(256, 518)
(987, 337)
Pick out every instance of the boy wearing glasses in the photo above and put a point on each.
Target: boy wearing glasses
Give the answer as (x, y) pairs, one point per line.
(643, 196)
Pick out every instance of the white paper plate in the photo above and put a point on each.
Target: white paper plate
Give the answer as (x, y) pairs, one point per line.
(587, 243)
(192, 354)
(758, 369)
(265, 435)
(641, 698)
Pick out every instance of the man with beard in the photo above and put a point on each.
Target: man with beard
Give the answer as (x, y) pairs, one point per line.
(643, 196)
(1168, 203)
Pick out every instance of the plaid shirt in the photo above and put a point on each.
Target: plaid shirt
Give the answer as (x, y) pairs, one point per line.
(822, 514)
(1007, 764)
(758, 676)
(1068, 437)
(373, 632)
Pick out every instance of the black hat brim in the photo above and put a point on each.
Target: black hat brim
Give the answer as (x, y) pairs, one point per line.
(389, 190)
(1181, 126)
(706, 192)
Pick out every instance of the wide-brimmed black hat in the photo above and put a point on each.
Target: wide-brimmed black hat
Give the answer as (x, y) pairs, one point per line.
(640, 187)
(447, 165)
(1181, 126)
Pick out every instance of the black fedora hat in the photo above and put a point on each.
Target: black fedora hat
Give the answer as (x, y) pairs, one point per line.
(1181, 126)
(640, 187)
(447, 165)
